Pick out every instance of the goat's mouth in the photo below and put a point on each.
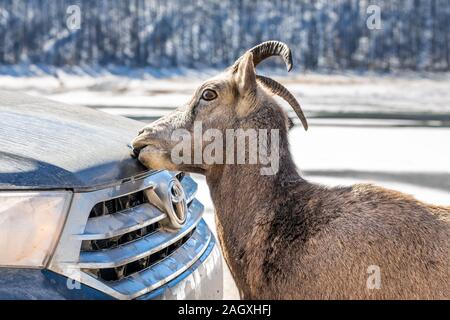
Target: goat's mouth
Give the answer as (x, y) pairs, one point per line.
(138, 144)
(149, 148)
(136, 150)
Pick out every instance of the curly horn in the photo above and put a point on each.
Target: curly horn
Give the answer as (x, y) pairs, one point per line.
(278, 89)
(268, 49)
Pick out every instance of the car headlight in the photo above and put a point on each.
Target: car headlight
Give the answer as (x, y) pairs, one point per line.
(30, 226)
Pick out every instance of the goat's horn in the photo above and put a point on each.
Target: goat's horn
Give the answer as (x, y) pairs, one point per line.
(272, 48)
(279, 90)
(268, 49)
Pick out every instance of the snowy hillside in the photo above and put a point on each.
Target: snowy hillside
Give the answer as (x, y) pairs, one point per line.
(324, 34)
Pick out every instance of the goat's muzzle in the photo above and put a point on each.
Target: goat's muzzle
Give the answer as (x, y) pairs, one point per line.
(138, 143)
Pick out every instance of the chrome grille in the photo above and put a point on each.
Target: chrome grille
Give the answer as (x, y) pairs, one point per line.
(119, 210)
(118, 273)
(118, 204)
(114, 242)
(123, 247)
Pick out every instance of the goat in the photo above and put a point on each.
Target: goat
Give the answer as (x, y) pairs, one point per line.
(284, 237)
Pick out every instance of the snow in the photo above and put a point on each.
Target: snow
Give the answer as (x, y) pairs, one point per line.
(372, 149)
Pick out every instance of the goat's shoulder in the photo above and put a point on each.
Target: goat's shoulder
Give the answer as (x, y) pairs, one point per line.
(306, 210)
(308, 213)
(373, 212)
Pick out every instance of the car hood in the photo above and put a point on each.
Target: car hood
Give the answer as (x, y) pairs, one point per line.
(51, 145)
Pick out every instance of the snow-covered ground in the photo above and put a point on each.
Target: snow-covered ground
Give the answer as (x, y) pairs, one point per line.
(389, 130)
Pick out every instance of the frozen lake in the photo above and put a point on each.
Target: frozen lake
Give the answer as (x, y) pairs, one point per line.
(406, 99)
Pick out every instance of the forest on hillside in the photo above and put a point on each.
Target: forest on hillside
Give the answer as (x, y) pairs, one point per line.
(323, 34)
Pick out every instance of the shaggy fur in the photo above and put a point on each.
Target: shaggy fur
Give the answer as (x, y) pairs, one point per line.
(286, 238)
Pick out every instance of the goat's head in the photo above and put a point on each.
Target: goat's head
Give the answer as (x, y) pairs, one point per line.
(235, 99)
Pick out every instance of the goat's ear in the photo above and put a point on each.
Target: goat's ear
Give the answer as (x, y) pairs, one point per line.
(245, 76)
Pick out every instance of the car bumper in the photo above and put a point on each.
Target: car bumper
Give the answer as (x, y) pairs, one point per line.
(203, 280)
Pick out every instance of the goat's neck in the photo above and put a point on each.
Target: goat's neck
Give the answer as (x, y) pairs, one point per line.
(244, 202)
(232, 184)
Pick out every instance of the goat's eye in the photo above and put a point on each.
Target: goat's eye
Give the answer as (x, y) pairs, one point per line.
(209, 95)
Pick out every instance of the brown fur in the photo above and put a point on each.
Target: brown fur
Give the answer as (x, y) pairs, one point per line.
(286, 238)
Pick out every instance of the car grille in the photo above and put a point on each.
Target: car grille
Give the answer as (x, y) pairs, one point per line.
(118, 204)
(124, 249)
(122, 205)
